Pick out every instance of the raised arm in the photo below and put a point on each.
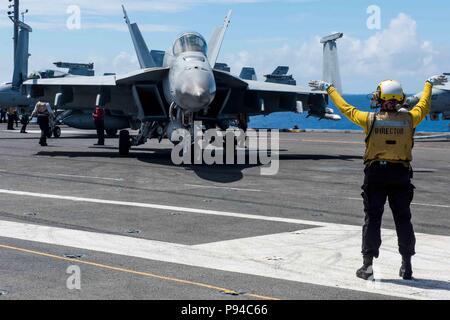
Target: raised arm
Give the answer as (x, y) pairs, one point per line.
(358, 117)
(422, 108)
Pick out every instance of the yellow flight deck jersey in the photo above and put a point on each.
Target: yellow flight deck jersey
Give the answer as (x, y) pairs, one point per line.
(391, 138)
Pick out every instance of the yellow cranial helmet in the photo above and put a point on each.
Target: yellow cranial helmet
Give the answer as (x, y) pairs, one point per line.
(391, 90)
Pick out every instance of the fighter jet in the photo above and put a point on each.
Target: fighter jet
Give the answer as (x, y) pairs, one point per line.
(158, 100)
(279, 75)
(440, 101)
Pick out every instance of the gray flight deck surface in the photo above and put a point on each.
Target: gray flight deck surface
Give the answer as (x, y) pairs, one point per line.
(319, 180)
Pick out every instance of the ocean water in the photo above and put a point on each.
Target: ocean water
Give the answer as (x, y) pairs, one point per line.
(287, 120)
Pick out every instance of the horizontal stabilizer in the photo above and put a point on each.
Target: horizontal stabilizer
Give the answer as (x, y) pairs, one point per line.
(248, 73)
(222, 66)
(158, 57)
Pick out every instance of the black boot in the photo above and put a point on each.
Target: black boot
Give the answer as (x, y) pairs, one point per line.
(366, 271)
(406, 268)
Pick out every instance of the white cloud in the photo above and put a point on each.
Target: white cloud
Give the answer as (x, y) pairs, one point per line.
(125, 62)
(395, 52)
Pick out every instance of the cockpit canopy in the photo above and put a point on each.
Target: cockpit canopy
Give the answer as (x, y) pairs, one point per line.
(47, 74)
(190, 42)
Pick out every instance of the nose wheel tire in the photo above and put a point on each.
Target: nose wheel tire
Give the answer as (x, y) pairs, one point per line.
(56, 132)
(124, 143)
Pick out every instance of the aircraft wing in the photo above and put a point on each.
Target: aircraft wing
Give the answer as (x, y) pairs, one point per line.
(236, 95)
(136, 94)
(73, 81)
(445, 87)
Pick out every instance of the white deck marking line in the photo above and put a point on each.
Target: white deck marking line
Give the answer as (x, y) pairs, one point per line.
(73, 176)
(217, 187)
(190, 210)
(86, 177)
(415, 204)
(326, 256)
(167, 208)
(62, 131)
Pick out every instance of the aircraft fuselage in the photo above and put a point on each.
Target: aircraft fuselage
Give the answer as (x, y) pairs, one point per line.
(11, 97)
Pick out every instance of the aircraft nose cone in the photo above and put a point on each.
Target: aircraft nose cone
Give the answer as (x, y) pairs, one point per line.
(196, 90)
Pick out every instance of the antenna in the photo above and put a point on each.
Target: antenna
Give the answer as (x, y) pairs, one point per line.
(23, 13)
(14, 16)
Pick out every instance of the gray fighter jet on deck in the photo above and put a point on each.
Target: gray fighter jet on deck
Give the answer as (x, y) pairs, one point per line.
(280, 75)
(158, 100)
(440, 101)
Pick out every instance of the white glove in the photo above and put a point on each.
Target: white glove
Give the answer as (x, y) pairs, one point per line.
(319, 85)
(438, 80)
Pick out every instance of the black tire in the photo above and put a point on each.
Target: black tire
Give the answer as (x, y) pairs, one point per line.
(56, 132)
(124, 143)
(111, 133)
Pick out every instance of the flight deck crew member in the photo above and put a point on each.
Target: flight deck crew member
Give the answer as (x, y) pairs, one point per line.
(43, 111)
(16, 118)
(99, 120)
(11, 118)
(2, 115)
(388, 173)
(24, 120)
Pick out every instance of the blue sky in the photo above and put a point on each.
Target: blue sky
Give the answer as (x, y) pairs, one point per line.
(412, 44)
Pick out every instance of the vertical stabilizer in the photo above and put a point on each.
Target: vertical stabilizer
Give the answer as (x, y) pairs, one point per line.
(215, 43)
(143, 54)
(331, 71)
(22, 54)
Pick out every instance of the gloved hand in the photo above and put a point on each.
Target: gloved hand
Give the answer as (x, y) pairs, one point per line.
(319, 85)
(438, 80)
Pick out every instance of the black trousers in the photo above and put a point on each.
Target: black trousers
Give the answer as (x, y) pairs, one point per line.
(387, 182)
(10, 122)
(100, 126)
(43, 122)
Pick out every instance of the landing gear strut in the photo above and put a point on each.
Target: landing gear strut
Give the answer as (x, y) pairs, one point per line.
(56, 132)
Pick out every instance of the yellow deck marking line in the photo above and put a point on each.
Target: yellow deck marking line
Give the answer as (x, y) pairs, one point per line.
(140, 273)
